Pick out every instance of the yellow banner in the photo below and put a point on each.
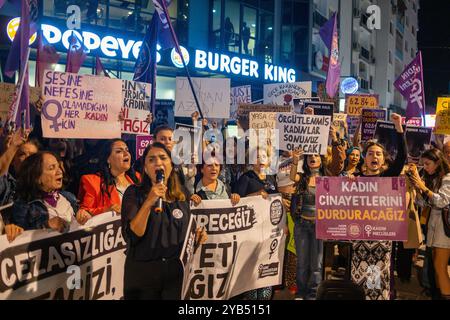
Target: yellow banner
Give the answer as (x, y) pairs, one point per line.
(291, 243)
(443, 116)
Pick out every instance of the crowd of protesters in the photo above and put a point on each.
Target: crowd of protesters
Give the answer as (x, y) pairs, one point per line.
(48, 183)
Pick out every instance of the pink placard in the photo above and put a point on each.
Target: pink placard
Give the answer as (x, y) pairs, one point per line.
(361, 209)
(141, 143)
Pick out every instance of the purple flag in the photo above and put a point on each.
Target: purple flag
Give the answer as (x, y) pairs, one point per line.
(329, 35)
(75, 55)
(165, 38)
(410, 85)
(2, 2)
(100, 69)
(46, 58)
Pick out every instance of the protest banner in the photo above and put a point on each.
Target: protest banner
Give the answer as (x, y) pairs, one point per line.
(354, 103)
(285, 93)
(305, 131)
(340, 123)
(361, 209)
(417, 141)
(87, 263)
(80, 106)
(136, 107)
(213, 95)
(386, 135)
(7, 95)
(245, 109)
(244, 250)
(164, 114)
(239, 95)
(412, 121)
(369, 121)
(141, 143)
(442, 116)
(320, 108)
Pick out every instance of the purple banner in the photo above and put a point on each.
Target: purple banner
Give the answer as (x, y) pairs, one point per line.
(369, 122)
(141, 143)
(361, 209)
(410, 85)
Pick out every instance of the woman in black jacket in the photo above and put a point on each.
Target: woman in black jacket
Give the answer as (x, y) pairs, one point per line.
(155, 239)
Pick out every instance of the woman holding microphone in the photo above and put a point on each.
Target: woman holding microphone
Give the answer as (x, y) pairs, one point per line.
(155, 217)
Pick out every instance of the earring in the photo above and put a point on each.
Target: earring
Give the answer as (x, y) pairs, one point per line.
(109, 165)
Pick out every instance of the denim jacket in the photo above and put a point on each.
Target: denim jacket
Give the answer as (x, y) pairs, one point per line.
(34, 214)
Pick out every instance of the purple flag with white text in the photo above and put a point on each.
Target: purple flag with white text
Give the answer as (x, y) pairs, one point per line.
(329, 35)
(410, 85)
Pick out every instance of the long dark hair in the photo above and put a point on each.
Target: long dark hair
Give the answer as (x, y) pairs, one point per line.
(387, 157)
(28, 188)
(434, 181)
(105, 172)
(303, 183)
(174, 188)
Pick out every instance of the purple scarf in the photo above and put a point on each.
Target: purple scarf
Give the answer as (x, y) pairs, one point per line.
(51, 198)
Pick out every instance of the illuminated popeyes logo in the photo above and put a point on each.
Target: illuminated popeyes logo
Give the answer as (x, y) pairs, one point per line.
(12, 27)
(118, 47)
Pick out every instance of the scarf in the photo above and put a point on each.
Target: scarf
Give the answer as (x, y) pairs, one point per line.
(51, 198)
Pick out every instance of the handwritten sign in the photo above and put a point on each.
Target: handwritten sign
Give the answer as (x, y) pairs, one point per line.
(79, 106)
(285, 93)
(369, 121)
(141, 143)
(354, 103)
(339, 122)
(136, 106)
(303, 131)
(213, 95)
(245, 109)
(239, 95)
(442, 116)
(262, 120)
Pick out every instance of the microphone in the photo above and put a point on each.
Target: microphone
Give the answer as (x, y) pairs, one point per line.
(159, 202)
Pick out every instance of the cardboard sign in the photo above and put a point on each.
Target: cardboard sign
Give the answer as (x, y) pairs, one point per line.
(79, 106)
(303, 131)
(285, 93)
(320, 108)
(136, 107)
(7, 95)
(239, 95)
(354, 103)
(245, 109)
(213, 95)
(442, 116)
(361, 209)
(417, 141)
(369, 121)
(141, 144)
(164, 114)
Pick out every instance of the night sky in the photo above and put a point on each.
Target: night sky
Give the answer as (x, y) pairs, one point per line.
(434, 41)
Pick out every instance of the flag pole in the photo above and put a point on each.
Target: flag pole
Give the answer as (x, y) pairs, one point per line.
(21, 80)
(172, 32)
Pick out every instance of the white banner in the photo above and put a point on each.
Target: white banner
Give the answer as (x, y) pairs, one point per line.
(45, 264)
(305, 131)
(136, 107)
(285, 93)
(213, 95)
(80, 106)
(244, 250)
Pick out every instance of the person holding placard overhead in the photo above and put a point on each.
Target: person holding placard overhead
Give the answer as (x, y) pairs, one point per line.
(378, 253)
(155, 218)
